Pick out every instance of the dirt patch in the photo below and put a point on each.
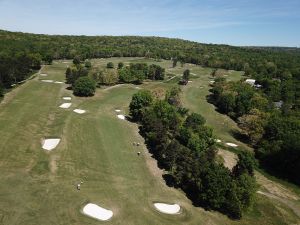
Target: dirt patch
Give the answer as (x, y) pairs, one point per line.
(289, 203)
(109, 88)
(230, 159)
(275, 188)
(53, 163)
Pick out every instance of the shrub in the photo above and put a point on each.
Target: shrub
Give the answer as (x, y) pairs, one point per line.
(84, 86)
(110, 65)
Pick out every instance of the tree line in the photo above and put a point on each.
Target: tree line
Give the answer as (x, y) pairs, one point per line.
(185, 147)
(272, 129)
(270, 62)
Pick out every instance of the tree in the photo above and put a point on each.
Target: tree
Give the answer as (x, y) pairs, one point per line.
(84, 86)
(69, 76)
(125, 75)
(174, 61)
(88, 64)
(73, 73)
(186, 75)
(110, 65)
(120, 65)
(226, 103)
(48, 59)
(76, 60)
(108, 77)
(156, 72)
(173, 96)
(246, 164)
(194, 121)
(253, 124)
(139, 101)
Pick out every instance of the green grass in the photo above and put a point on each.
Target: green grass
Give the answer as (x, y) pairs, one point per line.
(38, 187)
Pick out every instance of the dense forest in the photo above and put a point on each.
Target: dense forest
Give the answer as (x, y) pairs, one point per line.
(269, 120)
(254, 61)
(268, 115)
(185, 147)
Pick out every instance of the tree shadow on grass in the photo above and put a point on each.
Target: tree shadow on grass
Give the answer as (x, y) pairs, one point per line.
(239, 136)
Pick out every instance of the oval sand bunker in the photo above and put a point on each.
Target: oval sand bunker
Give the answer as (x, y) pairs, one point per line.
(97, 212)
(50, 144)
(47, 81)
(79, 111)
(122, 117)
(231, 144)
(65, 105)
(167, 208)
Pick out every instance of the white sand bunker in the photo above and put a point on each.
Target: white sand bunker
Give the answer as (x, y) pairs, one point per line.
(97, 212)
(118, 110)
(122, 117)
(79, 111)
(167, 208)
(58, 82)
(231, 144)
(48, 81)
(65, 105)
(67, 98)
(218, 140)
(50, 144)
(43, 74)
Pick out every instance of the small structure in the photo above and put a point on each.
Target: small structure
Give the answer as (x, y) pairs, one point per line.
(250, 81)
(138, 153)
(278, 105)
(257, 86)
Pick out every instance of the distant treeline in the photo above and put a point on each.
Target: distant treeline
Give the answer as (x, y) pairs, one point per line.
(263, 62)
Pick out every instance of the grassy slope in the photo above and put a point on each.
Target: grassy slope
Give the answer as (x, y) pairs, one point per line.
(37, 187)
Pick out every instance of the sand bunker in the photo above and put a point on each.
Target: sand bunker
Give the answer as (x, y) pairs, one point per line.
(218, 140)
(118, 110)
(50, 144)
(167, 208)
(79, 111)
(43, 74)
(58, 82)
(67, 98)
(231, 144)
(97, 212)
(48, 81)
(122, 117)
(65, 105)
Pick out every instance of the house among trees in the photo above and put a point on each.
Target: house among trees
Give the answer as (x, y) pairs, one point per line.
(250, 81)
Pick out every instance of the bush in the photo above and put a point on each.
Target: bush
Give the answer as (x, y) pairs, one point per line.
(84, 86)
(110, 65)
(120, 65)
